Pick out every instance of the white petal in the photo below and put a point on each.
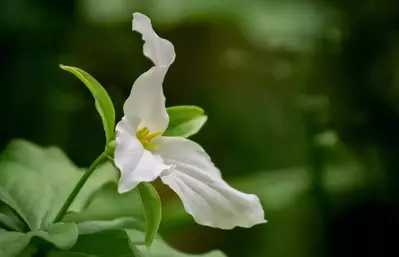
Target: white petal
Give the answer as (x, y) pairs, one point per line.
(159, 50)
(147, 101)
(211, 201)
(148, 169)
(184, 151)
(135, 163)
(128, 148)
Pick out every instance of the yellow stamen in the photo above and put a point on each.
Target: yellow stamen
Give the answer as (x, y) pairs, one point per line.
(151, 147)
(150, 137)
(145, 137)
(142, 132)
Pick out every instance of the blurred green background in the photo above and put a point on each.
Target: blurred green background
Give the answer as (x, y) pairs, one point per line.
(302, 98)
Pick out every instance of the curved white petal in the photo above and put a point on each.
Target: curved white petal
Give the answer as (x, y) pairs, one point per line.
(205, 195)
(148, 169)
(135, 163)
(184, 151)
(211, 201)
(128, 148)
(157, 49)
(147, 101)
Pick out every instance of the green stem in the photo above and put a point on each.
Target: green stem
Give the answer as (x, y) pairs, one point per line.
(79, 186)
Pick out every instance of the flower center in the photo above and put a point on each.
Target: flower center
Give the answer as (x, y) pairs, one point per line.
(145, 137)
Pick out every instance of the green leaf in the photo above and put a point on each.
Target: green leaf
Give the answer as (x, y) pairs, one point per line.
(108, 204)
(103, 102)
(124, 243)
(161, 249)
(152, 210)
(105, 238)
(55, 253)
(93, 226)
(102, 238)
(35, 181)
(121, 237)
(106, 243)
(136, 251)
(185, 121)
(61, 235)
(9, 219)
(7, 222)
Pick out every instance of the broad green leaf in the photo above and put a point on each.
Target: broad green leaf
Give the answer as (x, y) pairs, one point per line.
(136, 251)
(106, 243)
(185, 121)
(94, 226)
(108, 204)
(9, 219)
(35, 181)
(152, 210)
(57, 253)
(7, 222)
(103, 102)
(160, 249)
(124, 243)
(61, 235)
(105, 238)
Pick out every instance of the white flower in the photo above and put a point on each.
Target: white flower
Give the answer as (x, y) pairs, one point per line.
(143, 154)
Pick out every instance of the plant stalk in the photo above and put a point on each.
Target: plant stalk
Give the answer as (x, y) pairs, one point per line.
(79, 186)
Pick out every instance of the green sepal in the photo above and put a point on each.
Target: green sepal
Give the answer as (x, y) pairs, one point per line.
(103, 102)
(185, 120)
(152, 208)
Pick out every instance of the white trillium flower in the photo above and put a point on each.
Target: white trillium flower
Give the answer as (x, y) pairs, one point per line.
(142, 154)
